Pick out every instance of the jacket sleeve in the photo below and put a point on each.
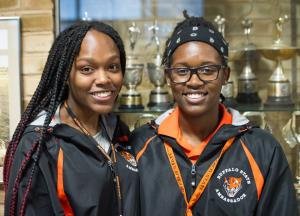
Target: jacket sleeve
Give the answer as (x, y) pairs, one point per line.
(38, 201)
(278, 195)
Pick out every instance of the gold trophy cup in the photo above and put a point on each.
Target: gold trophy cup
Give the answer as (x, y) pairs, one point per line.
(279, 89)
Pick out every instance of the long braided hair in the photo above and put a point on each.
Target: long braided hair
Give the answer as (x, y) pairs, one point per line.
(49, 94)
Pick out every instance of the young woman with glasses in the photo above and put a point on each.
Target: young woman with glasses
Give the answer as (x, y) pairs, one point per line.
(202, 158)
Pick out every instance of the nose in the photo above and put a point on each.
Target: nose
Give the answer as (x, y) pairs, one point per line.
(195, 81)
(101, 76)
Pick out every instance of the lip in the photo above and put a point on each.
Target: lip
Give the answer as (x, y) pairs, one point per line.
(103, 95)
(195, 97)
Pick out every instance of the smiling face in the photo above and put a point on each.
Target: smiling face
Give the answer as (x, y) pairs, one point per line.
(196, 98)
(96, 77)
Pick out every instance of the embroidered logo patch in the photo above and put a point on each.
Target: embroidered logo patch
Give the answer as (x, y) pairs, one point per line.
(127, 156)
(232, 185)
(233, 182)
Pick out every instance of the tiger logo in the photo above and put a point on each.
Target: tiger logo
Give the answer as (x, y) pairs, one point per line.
(127, 156)
(232, 185)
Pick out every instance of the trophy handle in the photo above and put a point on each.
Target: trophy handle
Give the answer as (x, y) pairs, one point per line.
(289, 131)
(144, 118)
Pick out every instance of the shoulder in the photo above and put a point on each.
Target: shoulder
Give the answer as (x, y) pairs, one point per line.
(260, 138)
(264, 148)
(139, 137)
(29, 137)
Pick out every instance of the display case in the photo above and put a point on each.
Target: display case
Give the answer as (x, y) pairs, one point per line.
(263, 38)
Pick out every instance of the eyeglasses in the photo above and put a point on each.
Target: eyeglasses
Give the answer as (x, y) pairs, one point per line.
(205, 73)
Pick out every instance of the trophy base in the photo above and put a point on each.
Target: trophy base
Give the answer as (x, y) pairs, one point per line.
(279, 102)
(131, 107)
(248, 98)
(162, 106)
(159, 101)
(230, 102)
(131, 102)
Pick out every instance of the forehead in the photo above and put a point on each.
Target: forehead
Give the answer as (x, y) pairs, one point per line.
(97, 41)
(195, 51)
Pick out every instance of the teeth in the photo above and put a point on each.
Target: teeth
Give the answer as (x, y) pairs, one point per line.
(102, 94)
(195, 95)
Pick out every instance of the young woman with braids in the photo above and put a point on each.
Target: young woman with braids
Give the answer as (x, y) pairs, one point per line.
(69, 155)
(202, 158)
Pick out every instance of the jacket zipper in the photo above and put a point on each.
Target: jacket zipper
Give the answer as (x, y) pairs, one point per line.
(109, 161)
(116, 180)
(193, 173)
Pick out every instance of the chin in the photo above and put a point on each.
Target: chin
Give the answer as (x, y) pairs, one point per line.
(195, 111)
(103, 109)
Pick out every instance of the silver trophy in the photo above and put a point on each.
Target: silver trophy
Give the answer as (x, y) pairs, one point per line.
(279, 89)
(227, 89)
(159, 97)
(247, 82)
(132, 99)
(291, 134)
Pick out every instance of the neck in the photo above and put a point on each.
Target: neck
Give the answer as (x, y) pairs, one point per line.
(88, 119)
(196, 128)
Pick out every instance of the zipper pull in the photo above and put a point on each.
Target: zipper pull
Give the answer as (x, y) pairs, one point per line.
(193, 173)
(109, 162)
(111, 166)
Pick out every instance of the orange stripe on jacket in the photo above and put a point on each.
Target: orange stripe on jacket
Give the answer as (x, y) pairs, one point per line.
(60, 185)
(170, 127)
(141, 152)
(258, 177)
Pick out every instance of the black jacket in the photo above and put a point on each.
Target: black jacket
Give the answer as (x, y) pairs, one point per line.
(161, 196)
(87, 177)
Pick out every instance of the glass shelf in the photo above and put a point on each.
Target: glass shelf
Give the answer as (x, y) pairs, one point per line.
(241, 108)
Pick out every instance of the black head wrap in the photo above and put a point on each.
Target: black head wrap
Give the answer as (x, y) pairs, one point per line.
(203, 33)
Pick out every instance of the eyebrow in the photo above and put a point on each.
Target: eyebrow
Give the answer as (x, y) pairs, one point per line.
(91, 59)
(184, 64)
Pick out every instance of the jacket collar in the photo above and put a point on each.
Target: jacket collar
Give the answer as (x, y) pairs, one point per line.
(238, 125)
(109, 121)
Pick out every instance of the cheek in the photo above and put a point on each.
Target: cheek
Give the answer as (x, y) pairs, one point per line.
(176, 91)
(118, 81)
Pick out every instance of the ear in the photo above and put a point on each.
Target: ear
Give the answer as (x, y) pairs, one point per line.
(226, 76)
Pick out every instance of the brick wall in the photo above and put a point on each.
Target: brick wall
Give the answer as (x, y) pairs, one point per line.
(37, 30)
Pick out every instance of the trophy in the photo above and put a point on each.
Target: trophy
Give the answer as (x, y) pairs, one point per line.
(227, 89)
(291, 131)
(132, 99)
(291, 134)
(247, 82)
(159, 97)
(278, 85)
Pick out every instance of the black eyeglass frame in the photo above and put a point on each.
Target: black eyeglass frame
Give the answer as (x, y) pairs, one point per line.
(192, 71)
